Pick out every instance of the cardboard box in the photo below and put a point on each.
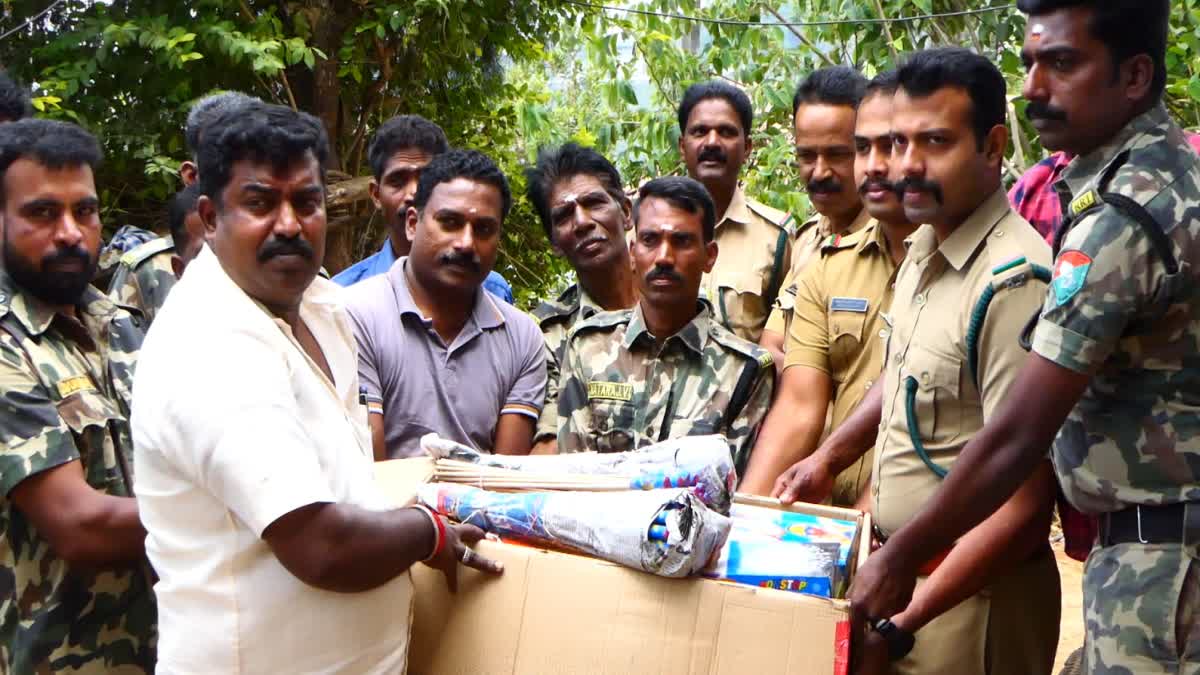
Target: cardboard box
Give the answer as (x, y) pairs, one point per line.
(554, 612)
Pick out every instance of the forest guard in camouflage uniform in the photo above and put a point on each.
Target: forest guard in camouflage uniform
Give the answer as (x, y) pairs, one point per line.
(77, 595)
(823, 113)
(624, 386)
(1114, 377)
(715, 123)
(578, 196)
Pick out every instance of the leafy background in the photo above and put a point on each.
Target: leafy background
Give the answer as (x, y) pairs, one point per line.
(503, 76)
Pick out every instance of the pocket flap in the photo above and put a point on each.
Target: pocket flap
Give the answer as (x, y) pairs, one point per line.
(87, 408)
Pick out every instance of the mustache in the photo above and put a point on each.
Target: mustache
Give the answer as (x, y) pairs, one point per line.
(663, 273)
(876, 184)
(277, 247)
(1040, 110)
(827, 186)
(920, 185)
(76, 253)
(713, 154)
(461, 259)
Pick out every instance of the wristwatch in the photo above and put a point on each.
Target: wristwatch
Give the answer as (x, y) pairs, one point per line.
(899, 641)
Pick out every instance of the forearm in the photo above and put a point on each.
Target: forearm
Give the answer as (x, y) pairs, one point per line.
(514, 434)
(788, 435)
(106, 532)
(856, 436)
(1004, 541)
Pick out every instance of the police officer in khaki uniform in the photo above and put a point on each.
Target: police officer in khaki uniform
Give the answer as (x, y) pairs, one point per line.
(823, 112)
(715, 119)
(834, 351)
(989, 603)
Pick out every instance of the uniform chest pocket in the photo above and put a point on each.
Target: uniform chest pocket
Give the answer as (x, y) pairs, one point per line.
(88, 415)
(932, 384)
(845, 338)
(612, 426)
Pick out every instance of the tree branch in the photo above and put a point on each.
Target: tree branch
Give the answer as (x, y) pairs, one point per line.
(887, 32)
(799, 36)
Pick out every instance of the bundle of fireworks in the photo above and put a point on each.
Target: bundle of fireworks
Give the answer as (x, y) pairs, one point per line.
(790, 551)
(670, 533)
(702, 464)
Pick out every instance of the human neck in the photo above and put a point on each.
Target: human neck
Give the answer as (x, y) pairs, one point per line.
(894, 235)
(449, 309)
(612, 288)
(665, 321)
(722, 196)
(400, 243)
(840, 223)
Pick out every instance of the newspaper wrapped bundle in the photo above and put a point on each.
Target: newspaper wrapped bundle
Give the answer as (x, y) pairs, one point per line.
(703, 464)
(670, 533)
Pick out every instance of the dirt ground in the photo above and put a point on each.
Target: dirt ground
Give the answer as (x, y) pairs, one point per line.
(1070, 636)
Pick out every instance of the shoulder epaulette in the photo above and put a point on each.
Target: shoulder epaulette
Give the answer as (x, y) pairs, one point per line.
(564, 305)
(726, 338)
(601, 321)
(143, 252)
(772, 215)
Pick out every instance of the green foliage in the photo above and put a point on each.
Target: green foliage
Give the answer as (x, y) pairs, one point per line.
(504, 76)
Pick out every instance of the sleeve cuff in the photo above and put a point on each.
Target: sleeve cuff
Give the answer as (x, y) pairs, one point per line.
(1067, 348)
(33, 456)
(525, 409)
(811, 358)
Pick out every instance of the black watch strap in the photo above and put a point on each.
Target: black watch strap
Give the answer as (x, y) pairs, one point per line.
(900, 642)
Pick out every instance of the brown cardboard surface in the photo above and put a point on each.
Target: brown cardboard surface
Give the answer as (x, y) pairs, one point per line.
(554, 612)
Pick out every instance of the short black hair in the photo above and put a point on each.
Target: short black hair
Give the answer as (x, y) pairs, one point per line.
(831, 85)
(404, 131)
(884, 84)
(682, 193)
(470, 164)
(262, 133)
(566, 161)
(208, 109)
(702, 91)
(925, 72)
(180, 205)
(14, 99)
(50, 143)
(1126, 27)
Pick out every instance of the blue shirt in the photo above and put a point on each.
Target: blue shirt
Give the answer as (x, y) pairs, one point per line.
(381, 262)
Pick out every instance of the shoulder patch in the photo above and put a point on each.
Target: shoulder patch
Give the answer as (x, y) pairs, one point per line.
(1070, 273)
(1084, 202)
(143, 252)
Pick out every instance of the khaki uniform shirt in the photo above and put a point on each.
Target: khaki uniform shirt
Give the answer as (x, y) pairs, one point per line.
(622, 390)
(755, 251)
(556, 318)
(937, 288)
(812, 237)
(144, 277)
(1115, 312)
(837, 328)
(67, 387)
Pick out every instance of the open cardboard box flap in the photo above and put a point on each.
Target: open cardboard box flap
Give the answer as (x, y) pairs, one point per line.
(554, 612)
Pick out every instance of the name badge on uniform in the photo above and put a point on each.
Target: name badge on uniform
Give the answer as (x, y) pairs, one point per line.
(613, 391)
(858, 305)
(74, 384)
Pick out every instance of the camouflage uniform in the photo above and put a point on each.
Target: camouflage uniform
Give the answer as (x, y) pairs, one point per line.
(144, 277)
(619, 391)
(556, 318)
(67, 389)
(1115, 312)
(125, 239)
(755, 243)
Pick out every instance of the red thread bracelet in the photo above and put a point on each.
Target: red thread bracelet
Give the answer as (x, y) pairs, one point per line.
(439, 528)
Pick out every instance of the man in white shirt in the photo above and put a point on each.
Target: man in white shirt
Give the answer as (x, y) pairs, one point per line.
(276, 551)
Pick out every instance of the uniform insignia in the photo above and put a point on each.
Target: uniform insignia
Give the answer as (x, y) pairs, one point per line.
(1070, 271)
(858, 305)
(614, 391)
(74, 384)
(765, 360)
(1084, 202)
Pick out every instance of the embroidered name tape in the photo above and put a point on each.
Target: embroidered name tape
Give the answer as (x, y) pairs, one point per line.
(614, 391)
(1084, 202)
(73, 384)
(848, 305)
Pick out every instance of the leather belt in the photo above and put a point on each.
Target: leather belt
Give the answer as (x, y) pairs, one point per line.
(1142, 524)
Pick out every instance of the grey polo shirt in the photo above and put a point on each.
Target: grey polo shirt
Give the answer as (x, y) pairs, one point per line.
(495, 366)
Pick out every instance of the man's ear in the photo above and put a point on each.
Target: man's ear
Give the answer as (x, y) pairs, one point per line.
(995, 144)
(711, 249)
(749, 144)
(1137, 74)
(177, 266)
(373, 190)
(207, 210)
(410, 224)
(627, 210)
(188, 172)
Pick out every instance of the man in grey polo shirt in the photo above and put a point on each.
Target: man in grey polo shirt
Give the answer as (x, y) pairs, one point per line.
(435, 353)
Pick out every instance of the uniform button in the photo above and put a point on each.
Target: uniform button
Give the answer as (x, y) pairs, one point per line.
(3, 297)
(868, 387)
(899, 357)
(920, 299)
(925, 379)
(999, 233)
(835, 328)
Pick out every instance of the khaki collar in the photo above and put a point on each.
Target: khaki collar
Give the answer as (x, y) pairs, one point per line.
(966, 239)
(738, 211)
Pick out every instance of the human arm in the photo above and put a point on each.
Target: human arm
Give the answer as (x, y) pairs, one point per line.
(370, 382)
(514, 434)
(378, 436)
(524, 401)
(792, 428)
(811, 479)
(745, 425)
(347, 549)
(772, 340)
(545, 435)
